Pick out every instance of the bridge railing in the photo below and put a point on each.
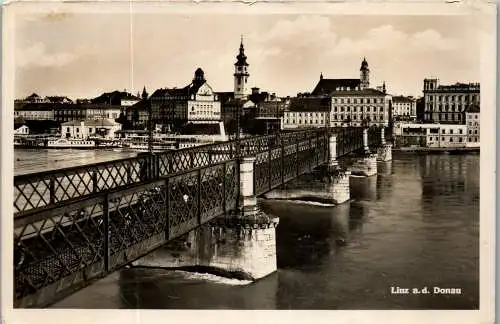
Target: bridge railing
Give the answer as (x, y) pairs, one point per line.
(37, 190)
(64, 246)
(292, 157)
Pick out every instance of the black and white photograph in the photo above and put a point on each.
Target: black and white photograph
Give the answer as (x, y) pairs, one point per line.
(298, 159)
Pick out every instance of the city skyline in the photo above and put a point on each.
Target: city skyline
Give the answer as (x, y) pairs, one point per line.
(286, 53)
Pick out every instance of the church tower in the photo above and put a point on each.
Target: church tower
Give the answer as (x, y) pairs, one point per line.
(241, 74)
(364, 76)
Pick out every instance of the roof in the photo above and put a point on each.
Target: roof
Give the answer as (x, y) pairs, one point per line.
(402, 99)
(114, 97)
(473, 108)
(90, 122)
(58, 98)
(326, 86)
(364, 92)
(185, 92)
(310, 104)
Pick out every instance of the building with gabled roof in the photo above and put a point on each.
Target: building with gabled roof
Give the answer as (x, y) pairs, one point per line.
(196, 102)
(325, 86)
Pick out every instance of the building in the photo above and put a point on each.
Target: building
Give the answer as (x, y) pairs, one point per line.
(363, 107)
(195, 102)
(33, 111)
(137, 116)
(22, 130)
(84, 129)
(102, 111)
(307, 112)
(340, 103)
(326, 86)
(404, 108)
(430, 135)
(447, 103)
(473, 122)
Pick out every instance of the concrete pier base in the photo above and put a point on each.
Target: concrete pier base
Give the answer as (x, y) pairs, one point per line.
(384, 153)
(331, 186)
(365, 165)
(338, 186)
(230, 247)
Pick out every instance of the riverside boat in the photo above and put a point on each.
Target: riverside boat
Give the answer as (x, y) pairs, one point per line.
(70, 143)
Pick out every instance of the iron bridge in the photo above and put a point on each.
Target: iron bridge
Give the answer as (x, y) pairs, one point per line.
(75, 225)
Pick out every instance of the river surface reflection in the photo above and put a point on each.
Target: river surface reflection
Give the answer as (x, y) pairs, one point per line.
(415, 224)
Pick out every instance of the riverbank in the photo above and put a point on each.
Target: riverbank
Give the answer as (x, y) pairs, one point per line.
(442, 150)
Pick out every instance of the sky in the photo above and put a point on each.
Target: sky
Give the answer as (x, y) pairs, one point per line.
(81, 55)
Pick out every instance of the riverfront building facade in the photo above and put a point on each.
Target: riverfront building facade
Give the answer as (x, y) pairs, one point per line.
(446, 104)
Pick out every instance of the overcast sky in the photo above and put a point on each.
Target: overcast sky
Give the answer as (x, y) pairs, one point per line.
(83, 55)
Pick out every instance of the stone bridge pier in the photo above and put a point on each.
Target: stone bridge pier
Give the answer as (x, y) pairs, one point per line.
(384, 152)
(338, 178)
(239, 245)
(366, 163)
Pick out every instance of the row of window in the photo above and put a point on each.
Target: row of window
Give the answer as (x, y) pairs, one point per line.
(204, 113)
(450, 98)
(460, 139)
(357, 100)
(341, 117)
(473, 124)
(358, 109)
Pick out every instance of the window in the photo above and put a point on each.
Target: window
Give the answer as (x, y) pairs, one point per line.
(77, 130)
(460, 131)
(451, 131)
(451, 139)
(443, 131)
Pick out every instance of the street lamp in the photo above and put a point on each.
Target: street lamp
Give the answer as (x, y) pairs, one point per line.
(150, 127)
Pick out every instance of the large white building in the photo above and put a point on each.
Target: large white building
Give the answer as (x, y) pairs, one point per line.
(343, 108)
(447, 103)
(196, 102)
(404, 108)
(83, 129)
(430, 135)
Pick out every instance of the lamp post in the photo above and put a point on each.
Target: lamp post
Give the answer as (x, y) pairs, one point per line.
(150, 127)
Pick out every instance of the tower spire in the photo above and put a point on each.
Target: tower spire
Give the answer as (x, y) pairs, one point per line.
(241, 73)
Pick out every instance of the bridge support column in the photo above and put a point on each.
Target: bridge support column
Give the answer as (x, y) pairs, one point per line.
(241, 244)
(385, 150)
(247, 204)
(338, 179)
(366, 164)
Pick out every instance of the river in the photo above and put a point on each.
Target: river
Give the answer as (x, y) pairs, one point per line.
(413, 225)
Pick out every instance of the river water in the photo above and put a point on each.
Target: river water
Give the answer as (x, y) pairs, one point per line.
(414, 225)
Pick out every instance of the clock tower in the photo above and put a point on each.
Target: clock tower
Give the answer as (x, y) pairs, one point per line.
(241, 74)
